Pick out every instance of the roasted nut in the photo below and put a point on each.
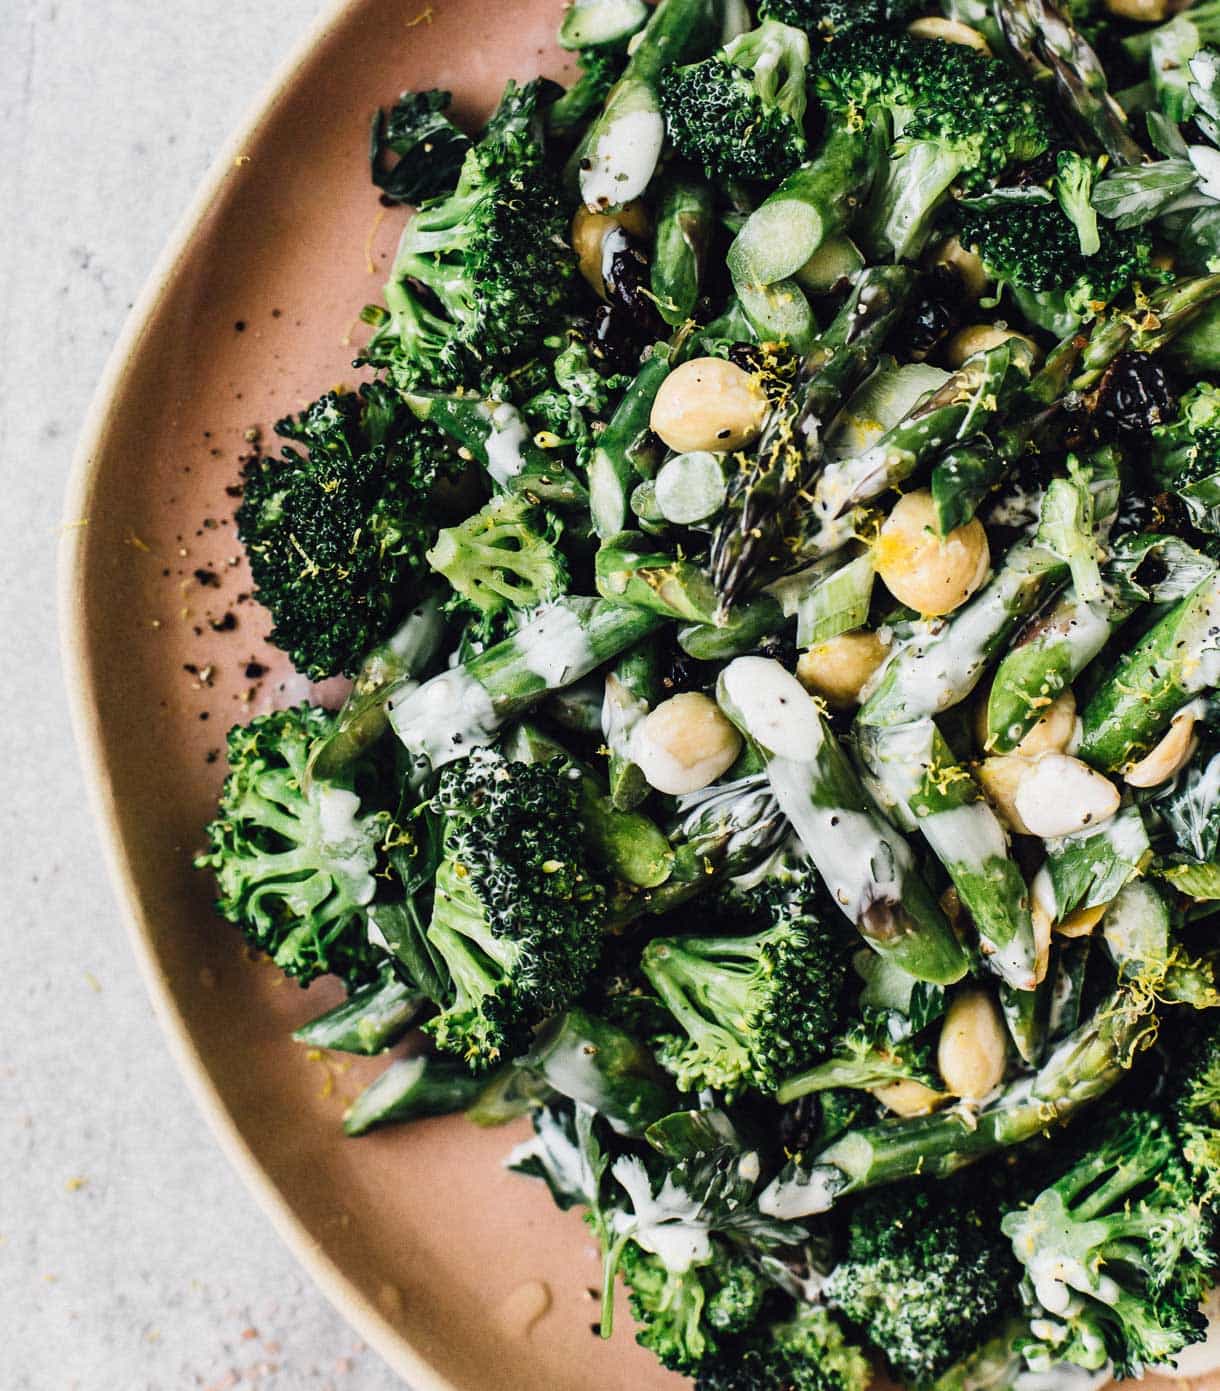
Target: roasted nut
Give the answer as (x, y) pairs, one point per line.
(1170, 756)
(980, 338)
(838, 668)
(589, 231)
(1059, 795)
(1000, 776)
(1082, 921)
(972, 1051)
(1055, 729)
(931, 574)
(709, 403)
(909, 1098)
(1142, 11)
(950, 31)
(684, 744)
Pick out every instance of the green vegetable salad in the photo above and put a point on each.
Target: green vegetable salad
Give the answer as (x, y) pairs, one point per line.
(776, 552)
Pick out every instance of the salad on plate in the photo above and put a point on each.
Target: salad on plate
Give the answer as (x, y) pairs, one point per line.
(775, 547)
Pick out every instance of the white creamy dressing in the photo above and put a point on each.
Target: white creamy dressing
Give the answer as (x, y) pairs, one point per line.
(622, 161)
(1201, 670)
(346, 843)
(374, 934)
(1061, 796)
(772, 706)
(621, 713)
(790, 1198)
(505, 437)
(970, 836)
(445, 718)
(554, 646)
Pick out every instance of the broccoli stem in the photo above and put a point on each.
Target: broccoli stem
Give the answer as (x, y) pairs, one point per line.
(1045, 40)
(370, 1020)
(630, 570)
(465, 707)
(616, 463)
(619, 153)
(1081, 1069)
(788, 455)
(685, 223)
(596, 1063)
(411, 1089)
(814, 203)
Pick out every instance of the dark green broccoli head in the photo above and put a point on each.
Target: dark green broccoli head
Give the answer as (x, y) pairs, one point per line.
(925, 1270)
(683, 1318)
(1187, 448)
(1116, 1252)
(429, 148)
(1035, 248)
(740, 113)
(336, 531)
(836, 19)
(1195, 1112)
(518, 911)
(505, 556)
(806, 1353)
(482, 274)
(750, 1010)
(294, 866)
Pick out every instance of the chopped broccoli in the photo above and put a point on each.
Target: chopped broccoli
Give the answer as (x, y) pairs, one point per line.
(959, 119)
(806, 1353)
(750, 1009)
(518, 912)
(430, 148)
(1195, 1106)
(925, 1270)
(741, 112)
(1187, 449)
(336, 536)
(294, 862)
(492, 260)
(835, 19)
(683, 1317)
(863, 1061)
(1073, 186)
(499, 558)
(1115, 1253)
(1033, 249)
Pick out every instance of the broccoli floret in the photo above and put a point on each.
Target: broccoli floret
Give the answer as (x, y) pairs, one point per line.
(925, 1270)
(750, 1009)
(1195, 1110)
(683, 1318)
(835, 19)
(864, 1060)
(1073, 185)
(806, 1353)
(430, 148)
(959, 120)
(501, 558)
(741, 112)
(1033, 249)
(336, 536)
(492, 260)
(518, 912)
(294, 864)
(1115, 1253)
(1187, 449)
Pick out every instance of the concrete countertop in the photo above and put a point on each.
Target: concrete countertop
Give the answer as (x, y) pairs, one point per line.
(131, 1259)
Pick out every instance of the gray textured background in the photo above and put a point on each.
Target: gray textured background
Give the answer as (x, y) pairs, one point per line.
(131, 1259)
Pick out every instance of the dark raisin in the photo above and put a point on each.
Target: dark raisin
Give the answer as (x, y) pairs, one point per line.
(800, 1124)
(938, 308)
(1134, 395)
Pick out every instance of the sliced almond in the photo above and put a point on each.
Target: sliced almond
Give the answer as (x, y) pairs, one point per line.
(1000, 777)
(1170, 756)
(910, 1098)
(1082, 921)
(1059, 796)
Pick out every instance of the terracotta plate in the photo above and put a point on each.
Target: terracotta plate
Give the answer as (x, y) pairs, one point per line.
(460, 1274)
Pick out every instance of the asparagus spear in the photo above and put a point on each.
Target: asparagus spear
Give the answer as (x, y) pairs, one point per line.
(961, 479)
(790, 450)
(630, 570)
(370, 1020)
(814, 203)
(496, 436)
(922, 786)
(1060, 642)
(1046, 42)
(632, 688)
(1177, 659)
(979, 392)
(867, 866)
(685, 221)
(363, 717)
(412, 1088)
(619, 154)
(613, 467)
(463, 708)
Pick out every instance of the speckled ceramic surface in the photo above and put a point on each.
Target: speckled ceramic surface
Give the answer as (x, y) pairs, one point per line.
(462, 1275)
